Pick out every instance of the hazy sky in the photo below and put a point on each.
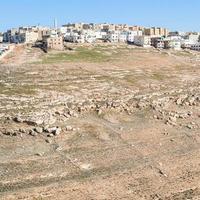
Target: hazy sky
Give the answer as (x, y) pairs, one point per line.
(173, 14)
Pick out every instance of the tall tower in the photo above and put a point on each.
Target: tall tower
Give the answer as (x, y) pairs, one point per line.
(55, 23)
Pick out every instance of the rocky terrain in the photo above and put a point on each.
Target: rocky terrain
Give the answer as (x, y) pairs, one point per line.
(100, 122)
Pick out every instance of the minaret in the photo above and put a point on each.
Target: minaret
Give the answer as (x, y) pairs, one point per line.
(55, 24)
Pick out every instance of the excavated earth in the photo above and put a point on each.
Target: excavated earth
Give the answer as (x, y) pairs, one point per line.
(124, 127)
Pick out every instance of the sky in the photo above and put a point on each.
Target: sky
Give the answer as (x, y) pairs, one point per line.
(183, 15)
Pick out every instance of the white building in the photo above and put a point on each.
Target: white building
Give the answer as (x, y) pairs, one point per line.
(29, 37)
(89, 36)
(63, 30)
(187, 44)
(100, 35)
(113, 36)
(174, 44)
(195, 47)
(123, 36)
(74, 37)
(190, 40)
(176, 33)
(142, 40)
(132, 34)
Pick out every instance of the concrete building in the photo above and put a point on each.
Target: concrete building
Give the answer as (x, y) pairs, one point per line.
(123, 36)
(63, 30)
(74, 37)
(89, 26)
(89, 36)
(98, 27)
(193, 37)
(132, 34)
(108, 27)
(174, 44)
(43, 31)
(53, 42)
(100, 35)
(74, 26)
(9, 35)
(29, 37)
(189, 40)
(195, 47)
(158, 42)
(156, 31)
(143, 41)
(121, 27)
(113, 36)
(176, 33)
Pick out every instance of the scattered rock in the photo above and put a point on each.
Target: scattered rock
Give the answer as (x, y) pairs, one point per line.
(21, 130)
(172, 119)
(57, 131)
(50, 135)
(69, 128)
(34, 121)
(162, 173)
(38, 130)
(10, 132)
(39, 154)
(99, 112)
(48, 141)
(33, 133)
(189, 126)
(51, 130)
(18, 119)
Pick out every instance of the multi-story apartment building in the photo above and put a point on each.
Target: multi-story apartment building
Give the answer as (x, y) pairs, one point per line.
(121, 27)
(113, 36)
(43, 31)
(132, 34)
(88, 26)
(155, 31)
(172, 43)
(29, 37)
(74, 26)
(190, 39)
(123, 36)
(98, 27)
(74, 37)
(143, 41)
(195, 47)
(108, 27)
(100, 35)
(10, 35)
(136, 28)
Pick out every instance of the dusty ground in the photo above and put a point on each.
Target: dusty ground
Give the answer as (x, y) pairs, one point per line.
(125, 120)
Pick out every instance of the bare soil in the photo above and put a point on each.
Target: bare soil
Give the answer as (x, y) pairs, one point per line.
(145, 148)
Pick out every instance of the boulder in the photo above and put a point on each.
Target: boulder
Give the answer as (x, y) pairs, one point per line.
(18, 119)
(69, 128)
(33, 133)
(58, 131)
(38, 130)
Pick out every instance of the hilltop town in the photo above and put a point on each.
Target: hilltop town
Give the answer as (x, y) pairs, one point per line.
(99, 112)
(54, 38)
